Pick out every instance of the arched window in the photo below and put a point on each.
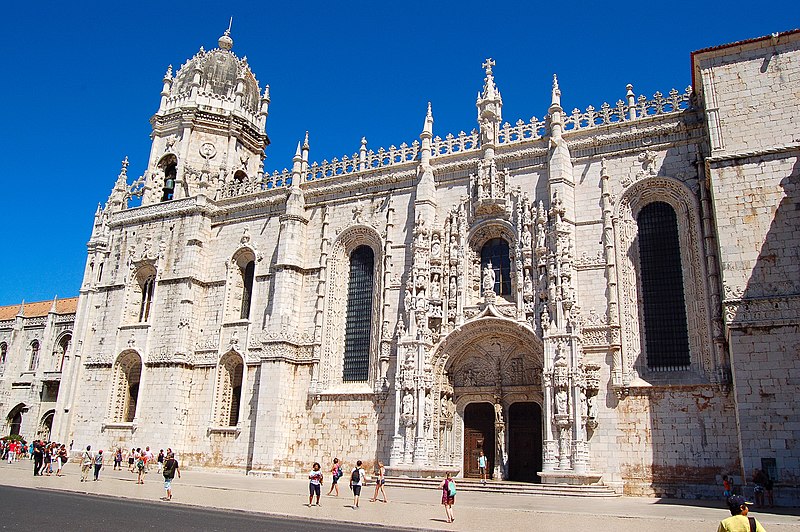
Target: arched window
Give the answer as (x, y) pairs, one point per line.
(34, 360)
(247, 290)
(3, 354)
(15, 420)
(61, 352)
(147, 285)
(230, 374)
(495, 252)
(127, 376)
(169, 165)
(239, 176)
(358, 328)
(664, 321)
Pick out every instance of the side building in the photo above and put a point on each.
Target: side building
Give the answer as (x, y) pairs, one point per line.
(608, 295)
(35, 341)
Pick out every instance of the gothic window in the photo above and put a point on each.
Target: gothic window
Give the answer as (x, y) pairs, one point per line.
(3, 354)
(34, 360)
(147, 298)
(61, 351)
(495, 251)
(230, 374)
(358, 324)
(664, 309)
(127, 377)
(169, 165)
(241, 275)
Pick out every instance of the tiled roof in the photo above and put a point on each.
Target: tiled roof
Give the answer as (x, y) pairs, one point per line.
(40, 308)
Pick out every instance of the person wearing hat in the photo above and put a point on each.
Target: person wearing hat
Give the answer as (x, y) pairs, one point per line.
(738, 521)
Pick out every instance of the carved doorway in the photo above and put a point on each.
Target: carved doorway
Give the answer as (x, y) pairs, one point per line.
(478, 436)
(524, 442)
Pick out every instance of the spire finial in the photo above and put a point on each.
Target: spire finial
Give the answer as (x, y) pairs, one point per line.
(427, 128)
(125, 164)
(305, 142)
(488, 64)
(556, 92)
(225, 42)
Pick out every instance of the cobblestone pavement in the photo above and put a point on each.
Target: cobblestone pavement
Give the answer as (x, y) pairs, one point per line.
(407, 507)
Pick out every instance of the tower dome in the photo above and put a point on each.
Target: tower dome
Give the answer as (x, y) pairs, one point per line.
(216, 74)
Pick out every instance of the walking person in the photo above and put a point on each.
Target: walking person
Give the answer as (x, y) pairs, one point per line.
(314, 483)
(38, 456)
(739, 520)
(86, 463)
(357, 478)
(482, 467)
(448, 487)
(170, 470)
(131, 460)
(98, 464)
(336, 474)
(46, 464)
(118, 459)
(140, 468)
(62, 459)
(759, 479)
(160, 460)
(379, 483)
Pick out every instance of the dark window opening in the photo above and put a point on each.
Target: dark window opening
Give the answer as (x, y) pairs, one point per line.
(248, 273)
(133, 397)
(495, 251)
(358, 328)
(170, 174)
(147, 298)
(666, 332)
(34, 356)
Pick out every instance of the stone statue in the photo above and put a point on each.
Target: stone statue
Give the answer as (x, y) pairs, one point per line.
(584, 404)
(526, 237)
(436, 247)
(408, 405)
(591, 407)
(498, 413)
(488, 278)
(561, 402)
(528, 290)
(435, 287)
(408, 300)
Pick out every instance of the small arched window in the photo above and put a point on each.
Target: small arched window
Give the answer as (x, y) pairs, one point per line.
(496, 253)
(358, 328)
(248, 273)
(3, 353)
(664, 317)
(61, 352)
(239, 176)
(169, 165)
(34, 360)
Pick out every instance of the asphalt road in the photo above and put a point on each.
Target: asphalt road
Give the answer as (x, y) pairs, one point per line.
(29, 509)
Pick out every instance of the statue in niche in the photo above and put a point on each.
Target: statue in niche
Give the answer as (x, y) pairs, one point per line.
(408, 405)
(528, 286)
(453, 287)
(469, 377)
(561, 402)
(435, 287)
(584, 404)
(526, 237)
(488, 278)
(591, 407)
(540, 235)
(436, 247)
(408, 301)
(498, 413)
(500, 445)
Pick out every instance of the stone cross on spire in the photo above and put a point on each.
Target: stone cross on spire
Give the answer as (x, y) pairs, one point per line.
(488, 64)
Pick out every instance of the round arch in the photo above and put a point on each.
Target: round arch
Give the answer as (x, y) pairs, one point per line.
(14, 419)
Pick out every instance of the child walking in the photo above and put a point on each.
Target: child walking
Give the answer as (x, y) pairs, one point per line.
(448, 487)
(315, 483)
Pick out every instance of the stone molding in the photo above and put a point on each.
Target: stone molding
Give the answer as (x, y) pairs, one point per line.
(762, 312)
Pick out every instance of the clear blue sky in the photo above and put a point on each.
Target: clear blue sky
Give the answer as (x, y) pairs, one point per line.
(81, 80)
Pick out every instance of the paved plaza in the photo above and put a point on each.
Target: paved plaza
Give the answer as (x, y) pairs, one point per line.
(408, 507)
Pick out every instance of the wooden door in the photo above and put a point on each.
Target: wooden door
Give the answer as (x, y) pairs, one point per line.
(524, 442)
(478, 436)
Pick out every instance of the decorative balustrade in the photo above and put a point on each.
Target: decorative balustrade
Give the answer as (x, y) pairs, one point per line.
(366, 160)
(630, 111)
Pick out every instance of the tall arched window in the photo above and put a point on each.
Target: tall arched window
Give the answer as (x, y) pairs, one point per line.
(3, 354)
(230, 374)
(358, 328)
(495, 251)
(61, 352)
(34, 361)
(127, 376)
(664, 321)
(148, 285)
(248, 272)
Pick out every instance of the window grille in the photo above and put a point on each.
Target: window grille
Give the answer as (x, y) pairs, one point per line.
(496, 252)
(666, 332)
(358, 329)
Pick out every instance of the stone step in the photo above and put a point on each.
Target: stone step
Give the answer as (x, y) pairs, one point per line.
(508, 487)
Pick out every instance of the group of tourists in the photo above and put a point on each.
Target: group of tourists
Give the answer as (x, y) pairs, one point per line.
(13, 450)
(358, 479)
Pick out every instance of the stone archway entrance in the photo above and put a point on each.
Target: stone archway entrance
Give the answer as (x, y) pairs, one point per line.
(46, 426)
(15, 420)
(478, 436)
(524, 442)
(481, 370)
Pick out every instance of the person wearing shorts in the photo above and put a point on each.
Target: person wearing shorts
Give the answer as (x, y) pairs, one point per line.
(482, 467)
(170, 470)
(336, 472)
(315, 483)
(355, 485)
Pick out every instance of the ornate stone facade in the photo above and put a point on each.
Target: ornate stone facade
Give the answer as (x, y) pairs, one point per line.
(487, 291)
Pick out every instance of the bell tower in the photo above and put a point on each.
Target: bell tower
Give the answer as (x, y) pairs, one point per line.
(209, 132)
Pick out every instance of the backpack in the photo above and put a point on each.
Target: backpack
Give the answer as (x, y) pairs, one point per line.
(355, 476)
(140, 464)
(451, 488)
(339, 473)
(169, 472)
